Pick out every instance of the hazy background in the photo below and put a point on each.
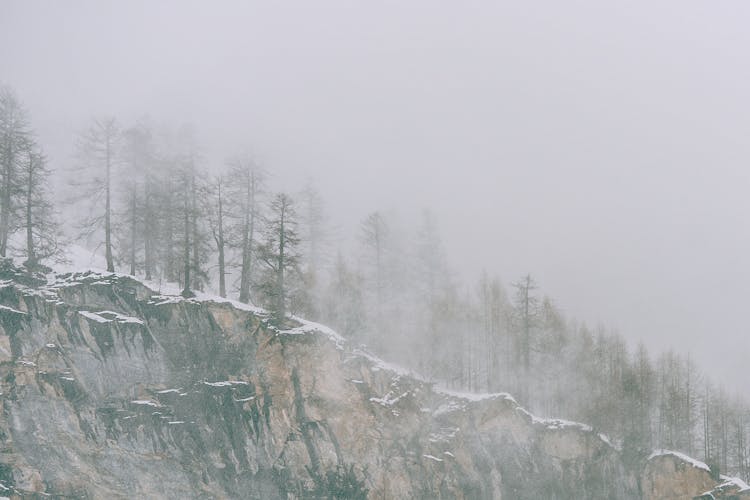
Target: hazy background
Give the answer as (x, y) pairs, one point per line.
(601, 146)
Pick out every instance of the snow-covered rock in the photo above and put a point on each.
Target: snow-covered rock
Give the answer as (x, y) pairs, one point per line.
(111, 389)
(670, 475)
(729, 488)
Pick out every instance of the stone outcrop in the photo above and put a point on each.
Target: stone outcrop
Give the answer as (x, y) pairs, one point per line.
(669, 475)
(113, 390)
(673, 476)
(730, 488)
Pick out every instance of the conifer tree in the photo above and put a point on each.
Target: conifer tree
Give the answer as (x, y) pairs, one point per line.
(217, 220)
(39, 221)
(97, 152)
(280, 254)
(244, 196)
(15, 141)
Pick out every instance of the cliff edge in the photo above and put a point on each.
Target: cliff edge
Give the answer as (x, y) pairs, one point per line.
(111, 389)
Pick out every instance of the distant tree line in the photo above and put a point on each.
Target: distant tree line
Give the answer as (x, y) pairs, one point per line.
(160, 212)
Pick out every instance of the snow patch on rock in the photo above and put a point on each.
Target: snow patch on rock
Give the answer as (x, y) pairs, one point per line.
(695, 463)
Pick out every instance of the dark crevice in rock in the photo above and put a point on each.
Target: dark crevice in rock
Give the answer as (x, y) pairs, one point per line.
(305, 425)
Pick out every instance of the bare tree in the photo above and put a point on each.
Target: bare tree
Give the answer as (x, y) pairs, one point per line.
(138, 220)
(42, 229)
(373, 235)
(187, 182)
(15, 138)
(97, 152)
(343, 302)
(526, 304)
(315, 236)
(244, 193)
(193, 238)
(492, 310)
(217, 215)
(279, 253)
(168, 207)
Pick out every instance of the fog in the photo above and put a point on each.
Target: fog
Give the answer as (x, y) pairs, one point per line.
(600, 147)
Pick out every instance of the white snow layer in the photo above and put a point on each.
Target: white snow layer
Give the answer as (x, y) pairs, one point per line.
(110, 316)
(226, 383)
(10, 310)
(727, 483)
(146, 402)
(734, 481)
(170, 293)
(695, 463)
(94, 317)
(476, 396)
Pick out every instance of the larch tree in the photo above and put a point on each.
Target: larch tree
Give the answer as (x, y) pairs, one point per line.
(41, 227)
(130, 223)
(15, 140)
(430, 261)
(315, 237)
(431, 283)
(217, 220)
(187, 183)
(526, 312)
(280, 254)
(638, 389)
(191, 207)
(493, 313)
(373, 236)
(97, 152)
(168, 207)
(244, 195)
(193, 239)
(343, 303)
(139, 219)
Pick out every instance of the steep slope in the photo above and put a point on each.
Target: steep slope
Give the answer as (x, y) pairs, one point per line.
(112, 390)
(669, 475)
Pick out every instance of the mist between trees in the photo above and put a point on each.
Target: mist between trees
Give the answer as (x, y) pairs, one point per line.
(155, 211)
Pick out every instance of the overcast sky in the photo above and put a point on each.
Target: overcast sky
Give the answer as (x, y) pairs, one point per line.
(603, 147)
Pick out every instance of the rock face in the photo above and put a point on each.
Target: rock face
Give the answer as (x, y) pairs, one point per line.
(111, 390)
(730, 489)
(672, 476)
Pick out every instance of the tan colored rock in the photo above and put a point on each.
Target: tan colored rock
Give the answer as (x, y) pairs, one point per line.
(730, 488)
(203, 399)
(5, 352)
(671, 476)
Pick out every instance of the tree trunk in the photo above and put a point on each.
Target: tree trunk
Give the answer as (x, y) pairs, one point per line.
(688, 410)
(220, 244)
(280, 302)
(148, 230)
(108, 210)
(248, 229)
(30, 253)
(244, 278)
(133, 229)
(186, 214)
(5, 201)
(526, 329)
(170, 264)
(706, 429)
(378, 269)
(194, 228)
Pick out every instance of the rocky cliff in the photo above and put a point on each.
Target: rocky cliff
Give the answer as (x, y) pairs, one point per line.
(113, 390)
